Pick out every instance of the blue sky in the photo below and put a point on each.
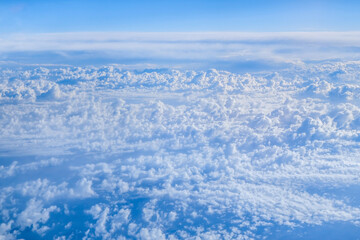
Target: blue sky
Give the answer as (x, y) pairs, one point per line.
(38, 16)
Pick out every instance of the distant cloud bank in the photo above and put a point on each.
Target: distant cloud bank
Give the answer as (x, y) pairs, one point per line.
(229, 50)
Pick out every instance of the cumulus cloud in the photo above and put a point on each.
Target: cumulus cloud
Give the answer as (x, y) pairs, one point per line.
(178, 154)
(35, 214)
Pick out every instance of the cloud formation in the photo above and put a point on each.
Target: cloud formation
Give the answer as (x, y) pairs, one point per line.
(229, 51)
(105, 152)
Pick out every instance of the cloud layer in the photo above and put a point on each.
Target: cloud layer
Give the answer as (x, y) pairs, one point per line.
(102, 152)
(231, 51)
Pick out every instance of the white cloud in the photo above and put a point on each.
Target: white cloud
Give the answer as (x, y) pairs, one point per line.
(48, 191)
(179, 154)
(5, 229)
(83, 189)
(119, 219)
(153, 233)
(200, 50)
(103, 220)
(35, 214)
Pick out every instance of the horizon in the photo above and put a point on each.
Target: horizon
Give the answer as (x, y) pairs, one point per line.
(231, 51)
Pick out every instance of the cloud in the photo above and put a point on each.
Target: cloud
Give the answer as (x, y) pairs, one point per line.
(200, 50)
(34, 214)
(169, 153)
(44, 189)
(153, 233)
(5, 229)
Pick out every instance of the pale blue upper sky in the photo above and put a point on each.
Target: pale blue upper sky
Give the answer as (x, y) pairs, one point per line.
(39, 16)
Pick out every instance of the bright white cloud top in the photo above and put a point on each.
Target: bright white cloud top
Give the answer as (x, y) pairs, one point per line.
(125, 152)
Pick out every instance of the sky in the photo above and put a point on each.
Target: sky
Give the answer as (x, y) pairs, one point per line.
(146, 32)
(39, 16)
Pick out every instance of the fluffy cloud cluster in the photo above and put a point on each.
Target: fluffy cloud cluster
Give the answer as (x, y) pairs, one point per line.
(166, 154)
